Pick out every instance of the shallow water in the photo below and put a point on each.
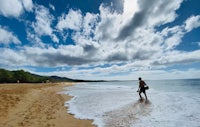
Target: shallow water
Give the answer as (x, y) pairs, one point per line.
(116, 104)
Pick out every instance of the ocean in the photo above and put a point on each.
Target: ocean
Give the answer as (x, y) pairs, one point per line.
(171, 103)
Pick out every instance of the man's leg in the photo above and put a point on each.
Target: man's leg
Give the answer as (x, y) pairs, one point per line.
(145, 95)
(140, 95)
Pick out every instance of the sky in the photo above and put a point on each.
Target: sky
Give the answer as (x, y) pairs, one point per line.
(101, 39)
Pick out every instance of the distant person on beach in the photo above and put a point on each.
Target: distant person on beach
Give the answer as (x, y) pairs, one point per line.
(142, 88)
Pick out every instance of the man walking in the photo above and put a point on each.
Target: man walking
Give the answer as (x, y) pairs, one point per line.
(142, 88)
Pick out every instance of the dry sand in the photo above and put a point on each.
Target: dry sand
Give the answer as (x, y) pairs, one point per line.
(36, 105)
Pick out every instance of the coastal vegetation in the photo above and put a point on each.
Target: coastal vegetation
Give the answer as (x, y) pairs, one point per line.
(21, 76)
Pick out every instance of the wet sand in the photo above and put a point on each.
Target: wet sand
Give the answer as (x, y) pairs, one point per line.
(36, 105)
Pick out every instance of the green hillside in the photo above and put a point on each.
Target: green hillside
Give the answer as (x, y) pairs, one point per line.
(26, 77)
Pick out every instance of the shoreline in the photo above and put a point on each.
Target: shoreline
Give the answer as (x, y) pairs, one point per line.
(41, 105)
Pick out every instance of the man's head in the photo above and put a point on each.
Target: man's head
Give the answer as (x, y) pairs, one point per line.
(140, 78)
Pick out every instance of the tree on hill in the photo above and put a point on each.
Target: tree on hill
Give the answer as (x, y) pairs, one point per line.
(5, 76)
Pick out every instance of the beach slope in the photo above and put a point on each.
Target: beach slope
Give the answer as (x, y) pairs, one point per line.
(36, 105)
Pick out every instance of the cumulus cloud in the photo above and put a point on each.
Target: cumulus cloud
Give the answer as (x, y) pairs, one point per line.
(14, 8)
(27, 4)
(178, 57)
(12, 58)
(172, 37)
(7, 37)
(95, 34)
(42, 26)
(39, 56)
(127, 40)
(72, 20)
(150, 15)
(192, 23)
(89, 22)
(131, 35)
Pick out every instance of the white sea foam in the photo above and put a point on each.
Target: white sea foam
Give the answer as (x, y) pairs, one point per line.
(172, 110)
(111, 105)
(93, 101)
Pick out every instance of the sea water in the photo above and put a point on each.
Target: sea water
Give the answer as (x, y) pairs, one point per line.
(171, 103)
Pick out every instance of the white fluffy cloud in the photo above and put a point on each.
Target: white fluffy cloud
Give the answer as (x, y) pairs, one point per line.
(72, 20)
(14, 8)
(192, 22)
(7, 37)
(130, 35)
(27, 4)
(89, 22)
(42, 26)
(99, 39)
(172, 37)
(178, 57)
(128, 41)
(10, 57)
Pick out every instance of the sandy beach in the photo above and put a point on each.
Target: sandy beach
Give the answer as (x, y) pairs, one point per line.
(36, 105)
